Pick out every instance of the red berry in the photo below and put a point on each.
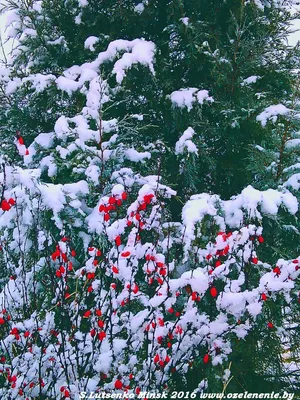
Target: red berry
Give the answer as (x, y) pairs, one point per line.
(73, 253)
(115, 270)
(118, 384)
(5, 205)
(171, 310)
(206, 359)
(270, 325)
(12, 201)
(111, 200)
(276, 270)
(125, 254)
(93, 332)
(194, 296)
(213, 292)
(101, 335)
(260, 239)
(135, 288)
(218, 263)
(58, 274)
(254, 260)
(264, 297)
(2, 321)
(160, 281)
(21, 140)
(87, 314)
(100, 324)
(118, 241)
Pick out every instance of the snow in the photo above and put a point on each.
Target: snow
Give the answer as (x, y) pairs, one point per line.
(250, 80)
(135, 156)
(83, 3)
(139, 8)
(90, 43)
(271, 113)
(293, 181)
(292, 143)
(185, 21)
(187, 97)
(142, 53)
(185, 142)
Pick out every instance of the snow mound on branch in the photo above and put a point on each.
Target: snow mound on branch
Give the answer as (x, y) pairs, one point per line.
(187, 97)
(90, 43)
(185, 142)
(293, 181)
(250, 202)
(271, 113)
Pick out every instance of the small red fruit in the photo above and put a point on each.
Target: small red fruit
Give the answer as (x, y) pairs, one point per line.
(5, 205)
(87, 314)
(100, 324)
(206, 359)
(118, 241)
(93, 332)
(213, 292)
(260, 239)
(118, 384)
(115, 270)
(101, 335)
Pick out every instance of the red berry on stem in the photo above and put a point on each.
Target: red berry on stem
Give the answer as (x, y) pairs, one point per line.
(118, 241)
(118, 384)
(213, 292)
(206, 359)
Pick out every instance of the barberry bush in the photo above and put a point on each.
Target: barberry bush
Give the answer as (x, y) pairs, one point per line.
(140, 301)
